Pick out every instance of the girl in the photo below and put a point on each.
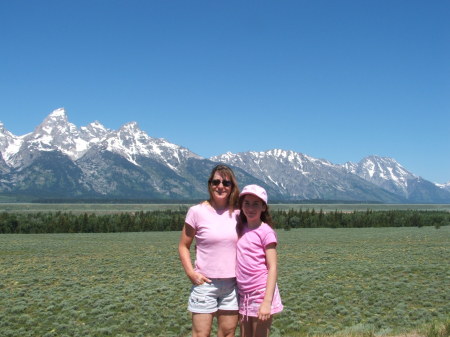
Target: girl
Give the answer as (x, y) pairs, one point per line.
(256, 268)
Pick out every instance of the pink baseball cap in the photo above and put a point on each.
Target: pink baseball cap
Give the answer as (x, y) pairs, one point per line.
(254, 190)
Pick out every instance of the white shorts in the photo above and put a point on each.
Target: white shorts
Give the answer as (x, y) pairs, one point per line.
(220, 294)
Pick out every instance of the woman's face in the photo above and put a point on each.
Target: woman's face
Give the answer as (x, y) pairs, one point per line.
(221, 186)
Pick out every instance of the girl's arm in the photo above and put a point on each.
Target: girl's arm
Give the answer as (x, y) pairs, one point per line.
(184, 246)
(266, 305)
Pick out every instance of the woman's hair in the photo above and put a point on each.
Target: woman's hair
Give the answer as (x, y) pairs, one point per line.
(265, 216)
(225, 172)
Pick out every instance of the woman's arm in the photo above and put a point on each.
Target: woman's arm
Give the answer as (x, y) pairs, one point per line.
(184, 246)
(266, 305)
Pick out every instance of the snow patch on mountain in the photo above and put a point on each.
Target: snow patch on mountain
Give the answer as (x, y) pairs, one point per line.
(9, 143)
(93, 132)
(444, 186)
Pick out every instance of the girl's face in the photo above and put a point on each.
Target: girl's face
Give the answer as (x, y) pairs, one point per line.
(221, 187)
(252, 206)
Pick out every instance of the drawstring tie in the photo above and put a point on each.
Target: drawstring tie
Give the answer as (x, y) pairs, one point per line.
(245, 303)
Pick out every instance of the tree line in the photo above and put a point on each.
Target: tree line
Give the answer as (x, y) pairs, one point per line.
(172, 220)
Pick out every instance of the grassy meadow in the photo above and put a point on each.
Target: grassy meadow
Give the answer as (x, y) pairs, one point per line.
(353, 282)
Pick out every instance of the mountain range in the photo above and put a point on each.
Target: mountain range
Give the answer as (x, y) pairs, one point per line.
(59, 161)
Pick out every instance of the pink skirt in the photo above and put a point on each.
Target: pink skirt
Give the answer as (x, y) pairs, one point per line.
(249, 303)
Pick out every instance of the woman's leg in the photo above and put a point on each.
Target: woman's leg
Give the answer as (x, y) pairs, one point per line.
(201, 324)
(227, 321)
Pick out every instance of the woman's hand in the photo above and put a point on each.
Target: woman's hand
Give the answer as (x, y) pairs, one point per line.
(197, 278)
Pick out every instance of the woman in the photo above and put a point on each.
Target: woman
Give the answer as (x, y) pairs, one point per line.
(213, 225)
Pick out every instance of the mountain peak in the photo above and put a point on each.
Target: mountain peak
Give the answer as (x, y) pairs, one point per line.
(60, 112)
(381, 159)
(130, 127)
(385, 166)
(58, 116)
(96, 124)
(385, 172)
(55, 123)
(4, 132)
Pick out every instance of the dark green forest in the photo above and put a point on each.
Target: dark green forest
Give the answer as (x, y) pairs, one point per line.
(172, 220)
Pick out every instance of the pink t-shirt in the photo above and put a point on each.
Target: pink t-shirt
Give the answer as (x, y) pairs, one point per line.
(251, 268)
(215, 238)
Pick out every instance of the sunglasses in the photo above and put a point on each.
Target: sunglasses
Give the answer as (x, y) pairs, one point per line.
(225, 183)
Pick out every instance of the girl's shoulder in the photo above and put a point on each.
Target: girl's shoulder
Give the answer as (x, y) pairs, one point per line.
(268, 234)
(266, 228)
(262, 230)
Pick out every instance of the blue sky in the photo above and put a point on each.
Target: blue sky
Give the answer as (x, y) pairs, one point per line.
(338, 80)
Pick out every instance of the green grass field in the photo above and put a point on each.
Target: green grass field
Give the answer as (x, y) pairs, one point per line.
(373, 281)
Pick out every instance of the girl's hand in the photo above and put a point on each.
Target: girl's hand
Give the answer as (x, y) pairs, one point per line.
(264, 311)
(197, 278)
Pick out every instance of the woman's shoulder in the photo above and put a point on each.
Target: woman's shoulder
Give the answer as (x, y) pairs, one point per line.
(199, 206)
(205, 206)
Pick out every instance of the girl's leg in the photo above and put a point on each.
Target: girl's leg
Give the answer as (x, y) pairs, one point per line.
(261, 328)
(246, 326)
(201, 324)
(253, 327)
(227, 321)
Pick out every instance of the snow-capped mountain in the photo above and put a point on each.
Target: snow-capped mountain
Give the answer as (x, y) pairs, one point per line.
(60, 161)
(299, 176)
(55, 133)
(132, 143)
(388, 174)
(384, 172)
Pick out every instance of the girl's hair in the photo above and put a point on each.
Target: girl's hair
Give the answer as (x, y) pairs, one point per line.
(225, 172)
(265, 217)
